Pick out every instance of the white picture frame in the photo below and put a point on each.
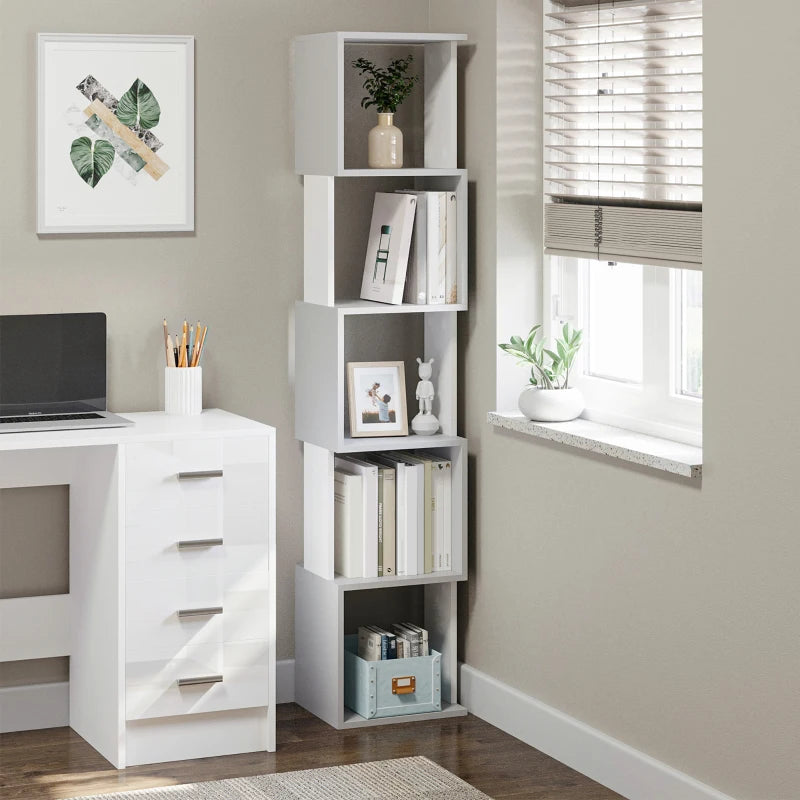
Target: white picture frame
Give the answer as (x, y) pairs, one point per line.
(369, 383)
(102, 87)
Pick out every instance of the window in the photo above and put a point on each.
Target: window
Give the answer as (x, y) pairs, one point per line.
(623, 205)
(641, 366)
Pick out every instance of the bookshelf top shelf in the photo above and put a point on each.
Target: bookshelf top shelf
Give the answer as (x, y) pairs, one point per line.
(387, 37)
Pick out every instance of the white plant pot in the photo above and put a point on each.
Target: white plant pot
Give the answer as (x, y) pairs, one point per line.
(551, 405)
(385, 144)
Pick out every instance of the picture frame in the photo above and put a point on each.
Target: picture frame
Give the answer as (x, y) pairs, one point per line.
(115, 133)
(369, 384)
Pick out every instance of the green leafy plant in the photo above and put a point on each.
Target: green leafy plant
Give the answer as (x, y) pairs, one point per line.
(91, 159)
(549, 368)
(387, 87)
(138, 106)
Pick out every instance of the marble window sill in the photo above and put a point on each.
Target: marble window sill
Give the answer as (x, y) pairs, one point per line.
(638, 448)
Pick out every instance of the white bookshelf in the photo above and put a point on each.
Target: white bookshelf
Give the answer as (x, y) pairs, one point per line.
(334, 326)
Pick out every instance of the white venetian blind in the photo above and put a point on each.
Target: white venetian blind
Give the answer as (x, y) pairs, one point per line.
(623, 130)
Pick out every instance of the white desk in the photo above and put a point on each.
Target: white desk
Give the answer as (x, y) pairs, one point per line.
(172, 514)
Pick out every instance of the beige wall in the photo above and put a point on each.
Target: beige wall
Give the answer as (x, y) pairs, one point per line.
(241, 271)
(662, 613)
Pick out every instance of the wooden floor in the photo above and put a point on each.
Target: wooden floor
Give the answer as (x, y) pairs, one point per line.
(57, 763)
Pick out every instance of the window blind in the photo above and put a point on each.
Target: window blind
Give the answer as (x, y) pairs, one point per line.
(623, 130)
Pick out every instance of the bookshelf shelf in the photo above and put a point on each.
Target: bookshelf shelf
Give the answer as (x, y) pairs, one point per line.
(356, 584)
(353, 720)
(333, 327)
(371, 307)
(408, 172)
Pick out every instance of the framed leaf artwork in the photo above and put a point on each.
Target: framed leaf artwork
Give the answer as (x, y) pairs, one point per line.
(115, 133)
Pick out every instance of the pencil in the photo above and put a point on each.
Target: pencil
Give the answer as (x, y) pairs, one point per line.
(183, 348)
(196, 352)
(166, 341)
(170, 352)
(202, 344)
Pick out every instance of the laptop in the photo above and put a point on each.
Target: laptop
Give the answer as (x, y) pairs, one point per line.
(53, 373)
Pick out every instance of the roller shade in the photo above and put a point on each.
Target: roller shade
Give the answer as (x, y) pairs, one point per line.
(623, 130)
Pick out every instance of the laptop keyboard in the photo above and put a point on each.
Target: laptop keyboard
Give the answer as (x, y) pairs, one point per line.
(50, 417)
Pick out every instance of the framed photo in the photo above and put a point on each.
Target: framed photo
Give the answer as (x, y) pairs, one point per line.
(115, 133)
(376, 392)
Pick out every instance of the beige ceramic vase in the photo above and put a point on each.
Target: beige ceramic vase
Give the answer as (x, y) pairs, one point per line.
(385, 144)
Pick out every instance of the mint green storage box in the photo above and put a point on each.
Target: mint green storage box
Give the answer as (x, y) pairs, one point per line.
(391, 688)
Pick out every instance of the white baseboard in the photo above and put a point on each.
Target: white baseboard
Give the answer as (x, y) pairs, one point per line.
(628, 772)
(284, 681)
(42, 705)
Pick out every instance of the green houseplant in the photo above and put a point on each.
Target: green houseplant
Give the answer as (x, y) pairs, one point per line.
(386, 87)
(548, 397)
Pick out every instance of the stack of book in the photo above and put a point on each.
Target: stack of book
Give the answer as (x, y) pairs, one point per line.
(405, 640)
(412, 248)
(392, 514)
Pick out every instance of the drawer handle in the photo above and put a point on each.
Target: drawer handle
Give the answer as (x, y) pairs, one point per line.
(190, 544)
(200, 473)
(200, 681)
(199, 612)
(404, 685)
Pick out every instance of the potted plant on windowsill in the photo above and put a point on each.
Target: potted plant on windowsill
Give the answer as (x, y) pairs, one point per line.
(549, 397)
(387, 87)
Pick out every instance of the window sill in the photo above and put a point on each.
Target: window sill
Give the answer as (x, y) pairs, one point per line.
(638, 448)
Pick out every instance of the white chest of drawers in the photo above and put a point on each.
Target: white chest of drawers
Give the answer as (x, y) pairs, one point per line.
(171, 611)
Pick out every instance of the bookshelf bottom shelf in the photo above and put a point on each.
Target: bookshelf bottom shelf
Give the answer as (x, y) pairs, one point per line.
(353, 720)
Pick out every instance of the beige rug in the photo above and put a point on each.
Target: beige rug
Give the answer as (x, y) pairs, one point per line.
(411, 778)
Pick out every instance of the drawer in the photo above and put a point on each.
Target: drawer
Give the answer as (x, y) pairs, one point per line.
(155, 628)
(152, 688)
(391, 688)
(154, 553)
(199, 490)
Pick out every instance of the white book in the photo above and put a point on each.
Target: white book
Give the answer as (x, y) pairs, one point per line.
(442, 487)
(416, 290)
(369, 473)
(437, 247)
(388, 247)
(451, 249)
(369, 644)
(410, 521)
(348, 524)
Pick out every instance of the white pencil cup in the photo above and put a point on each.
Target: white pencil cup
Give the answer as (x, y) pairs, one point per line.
(183, 390)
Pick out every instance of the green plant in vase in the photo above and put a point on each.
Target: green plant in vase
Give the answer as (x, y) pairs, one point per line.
(387, 88)
(548, 397)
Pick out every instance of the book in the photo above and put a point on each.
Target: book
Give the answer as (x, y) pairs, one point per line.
(389, 503)
(451, 250)
(409, 508)
(411, 636)
(369, 472)
(423, 636)
(369, 644)
(388, 642)
(348, 523)
(442, 510)
(427, 509)
(380, 522)
(437, 248)
(388, 246)
(416, 290)
(427, 265)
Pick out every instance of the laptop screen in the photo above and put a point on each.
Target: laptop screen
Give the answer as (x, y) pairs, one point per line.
(52, 363)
